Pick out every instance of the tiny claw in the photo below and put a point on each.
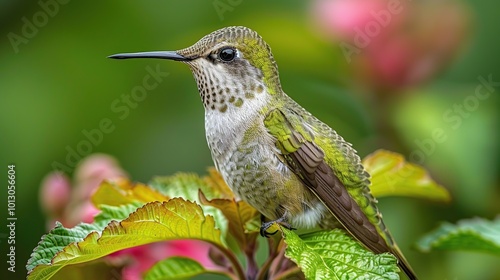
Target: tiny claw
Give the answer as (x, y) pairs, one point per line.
(280, 221)
(264, 233)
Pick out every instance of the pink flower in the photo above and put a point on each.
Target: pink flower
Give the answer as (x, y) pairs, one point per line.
(72, 206)
(339, 18)
(83, 212)
(92, 170)
(394, 44)
(55, 193)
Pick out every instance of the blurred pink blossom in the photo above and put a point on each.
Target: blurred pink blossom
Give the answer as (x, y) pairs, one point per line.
(93, 170)
(82, 212)
(55, 193)
(338, 18)
(89, 174)
(394, 44)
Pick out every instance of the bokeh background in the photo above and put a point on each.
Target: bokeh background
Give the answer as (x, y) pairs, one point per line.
(384, 74)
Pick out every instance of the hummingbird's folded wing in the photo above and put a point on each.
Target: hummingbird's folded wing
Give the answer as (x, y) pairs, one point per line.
(307, 161)
(302, 152)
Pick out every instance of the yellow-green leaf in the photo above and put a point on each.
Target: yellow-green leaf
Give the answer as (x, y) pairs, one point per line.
(217, 186)
(99, 269)
(155, 221)
(186, 185)
(124, 192)
(392, 175)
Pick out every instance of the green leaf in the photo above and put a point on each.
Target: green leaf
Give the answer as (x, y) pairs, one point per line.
(60, 237)
(475, 234)
(155, 221)
(176, 268)
(184, 185)
(392, 175)
(239, 213)
(335, 255)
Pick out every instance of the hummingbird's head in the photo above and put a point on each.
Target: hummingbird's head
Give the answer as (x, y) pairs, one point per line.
(230, 65)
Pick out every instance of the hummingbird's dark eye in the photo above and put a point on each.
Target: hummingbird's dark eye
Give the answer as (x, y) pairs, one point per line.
(227, 54)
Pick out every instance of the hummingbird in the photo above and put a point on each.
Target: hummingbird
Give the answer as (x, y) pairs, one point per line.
(272, 153)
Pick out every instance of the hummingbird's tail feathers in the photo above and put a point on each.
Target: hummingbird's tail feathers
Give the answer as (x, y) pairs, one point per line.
(403, 263)
(354, 220)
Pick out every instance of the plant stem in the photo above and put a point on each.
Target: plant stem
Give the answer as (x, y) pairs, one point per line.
(252, 267)
(287, 273)
(234, 262)
(273, 253)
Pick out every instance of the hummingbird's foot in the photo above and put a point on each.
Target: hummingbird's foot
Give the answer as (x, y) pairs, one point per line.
(266, 225)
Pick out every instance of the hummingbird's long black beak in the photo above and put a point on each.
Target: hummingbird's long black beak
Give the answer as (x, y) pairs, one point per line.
(159, 54)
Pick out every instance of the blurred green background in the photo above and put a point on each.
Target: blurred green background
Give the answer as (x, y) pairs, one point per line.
(56, 82)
